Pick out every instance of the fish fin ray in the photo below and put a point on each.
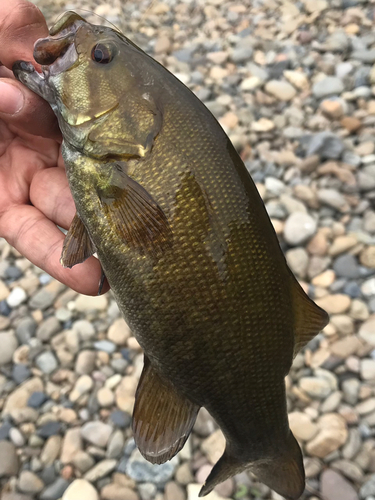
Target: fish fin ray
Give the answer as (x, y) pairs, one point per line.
(283, 473)
(162, 418)
(77, 245)
(310, 319)
(138, 219)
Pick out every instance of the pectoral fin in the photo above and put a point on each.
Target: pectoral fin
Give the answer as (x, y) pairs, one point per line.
(77, 244)
(310, 319)
(137, 218)
(162, 418)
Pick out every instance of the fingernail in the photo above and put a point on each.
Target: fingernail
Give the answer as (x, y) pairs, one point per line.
(11, 99)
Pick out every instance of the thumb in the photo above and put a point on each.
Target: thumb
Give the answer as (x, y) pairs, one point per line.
(23, 109)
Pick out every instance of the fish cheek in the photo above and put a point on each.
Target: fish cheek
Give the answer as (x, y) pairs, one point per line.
(129, 130)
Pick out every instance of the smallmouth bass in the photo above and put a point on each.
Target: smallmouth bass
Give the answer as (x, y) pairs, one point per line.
(187, 247)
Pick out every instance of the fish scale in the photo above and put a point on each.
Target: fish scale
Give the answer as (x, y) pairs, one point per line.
(186, 245)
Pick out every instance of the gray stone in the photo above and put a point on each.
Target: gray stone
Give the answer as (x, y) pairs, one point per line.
(350, 389)
(241, 54)
(365, 56)
(105, 345)
(139, 469)
(346, 266)
(298, 260)
(325, 144)
(352, 445)
(55, 490)
(368, 488)
(49, 429)
(26, 329)
(48, 329)
(120, 419)
(97, 433)
(9, 344)
(331, 85)
(334, 486)
(334, 199)
(101, 469)
(37, 399)
(8, 459)
(29, 482)
(20, 373)
(46, 362)
(42, 299)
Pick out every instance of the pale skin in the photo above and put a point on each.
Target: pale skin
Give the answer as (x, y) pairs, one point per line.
(35, 195)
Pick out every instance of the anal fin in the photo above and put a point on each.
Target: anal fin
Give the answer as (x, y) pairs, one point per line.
(310, 319)
(162, 418)
(77, 244)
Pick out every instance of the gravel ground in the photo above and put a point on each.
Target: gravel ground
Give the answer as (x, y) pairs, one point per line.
(293, 84)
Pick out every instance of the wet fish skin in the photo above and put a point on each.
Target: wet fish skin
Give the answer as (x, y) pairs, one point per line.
(187, 247)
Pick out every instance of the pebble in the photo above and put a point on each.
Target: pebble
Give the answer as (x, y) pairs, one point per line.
(332, 434)
(334, 486)
(48, 329)
(119, 332)
(302, 426)
(9, 344)
(30, 483)
(105, 397)
(71, 445)
(55, 490)
(8, 459)
(83, 385)
(86, 303)
(101, 469)
(79, 489)
(299, 227)
(47, 362)
(334, 304)
(328, 86)
(96, 433)
(117, 492)
(16, 297)
(85, 362)
(139, 469)
(283, 91)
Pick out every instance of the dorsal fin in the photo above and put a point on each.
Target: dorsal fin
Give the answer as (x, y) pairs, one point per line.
(310, 319)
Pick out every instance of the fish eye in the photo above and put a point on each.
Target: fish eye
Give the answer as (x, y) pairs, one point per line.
(102, 54)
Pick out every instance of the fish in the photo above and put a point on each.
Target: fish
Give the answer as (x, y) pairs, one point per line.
(167, 205)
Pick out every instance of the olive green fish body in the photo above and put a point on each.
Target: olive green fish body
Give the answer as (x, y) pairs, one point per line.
(188, 249)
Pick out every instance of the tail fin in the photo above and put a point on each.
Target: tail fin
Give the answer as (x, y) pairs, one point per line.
(283, 473)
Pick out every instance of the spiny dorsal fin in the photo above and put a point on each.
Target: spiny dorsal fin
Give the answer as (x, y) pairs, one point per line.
(162, 418)
(310, 319)
(137, 218)
(77, 244)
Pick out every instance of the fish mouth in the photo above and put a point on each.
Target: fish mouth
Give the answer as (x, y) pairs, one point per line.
(56, 53)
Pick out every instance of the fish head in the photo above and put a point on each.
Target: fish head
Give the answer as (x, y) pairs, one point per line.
(91, 74)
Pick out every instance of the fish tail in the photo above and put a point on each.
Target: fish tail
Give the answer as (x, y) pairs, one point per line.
(283, 473)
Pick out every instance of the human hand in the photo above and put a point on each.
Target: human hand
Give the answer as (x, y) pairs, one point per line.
(35, 195)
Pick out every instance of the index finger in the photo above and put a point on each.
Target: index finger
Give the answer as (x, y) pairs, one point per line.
(21, 24)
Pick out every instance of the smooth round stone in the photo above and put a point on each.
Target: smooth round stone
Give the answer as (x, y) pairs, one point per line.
(119, 332)
(47, 362)
(105, 345)
(105, 397)
(299, 227)
(120, 419)
(9, 344)
(139, 469)
(16, 297)
(37, 399)
(16, 437)
(29, 482)
(49, 429)
(334, 486)
(301, 426)
(283, 91)
(80, 489)
(55, 490)
(83, 385)
(8, 459)
(96, 433)
(346, 266)
(331, 85)
(26, 329)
